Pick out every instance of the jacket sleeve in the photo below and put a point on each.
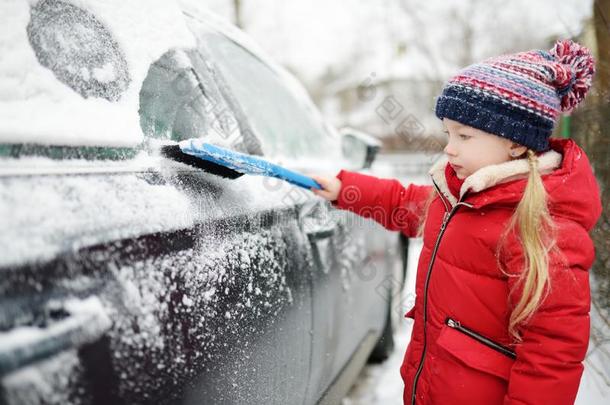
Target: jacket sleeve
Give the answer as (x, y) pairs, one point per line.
(387, 201)
(549, 366)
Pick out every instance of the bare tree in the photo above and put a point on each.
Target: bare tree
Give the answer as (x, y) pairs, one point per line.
(591, 129)
(601, 144)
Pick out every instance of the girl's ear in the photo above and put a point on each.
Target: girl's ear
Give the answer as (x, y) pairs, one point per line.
(516, 150)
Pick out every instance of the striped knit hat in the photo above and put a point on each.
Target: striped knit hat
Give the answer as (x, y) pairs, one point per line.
(519, 96)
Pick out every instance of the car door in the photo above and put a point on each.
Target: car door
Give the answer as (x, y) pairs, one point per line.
(265, 238)
(348, 315)
(180, 306)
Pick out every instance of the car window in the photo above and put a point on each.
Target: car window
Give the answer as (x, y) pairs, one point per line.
(179, 99)
(278, 117)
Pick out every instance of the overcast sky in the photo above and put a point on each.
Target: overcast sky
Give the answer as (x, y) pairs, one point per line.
(310, 37)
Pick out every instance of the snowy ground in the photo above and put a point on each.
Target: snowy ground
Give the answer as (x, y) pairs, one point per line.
(381, 384)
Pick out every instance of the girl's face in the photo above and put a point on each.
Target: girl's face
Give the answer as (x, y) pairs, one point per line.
(470, 149)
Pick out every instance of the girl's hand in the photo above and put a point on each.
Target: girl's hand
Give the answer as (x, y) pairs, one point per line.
(330, 187)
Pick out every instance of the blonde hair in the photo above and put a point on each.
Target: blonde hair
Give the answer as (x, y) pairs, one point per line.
(537, 239)
(536, 235)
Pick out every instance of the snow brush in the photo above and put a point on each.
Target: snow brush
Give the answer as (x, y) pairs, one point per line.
(230, 164)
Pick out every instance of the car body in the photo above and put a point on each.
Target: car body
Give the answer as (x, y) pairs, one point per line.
(127, 278)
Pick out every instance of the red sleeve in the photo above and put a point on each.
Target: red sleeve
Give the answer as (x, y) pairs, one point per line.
(549, 360)
(387, 201)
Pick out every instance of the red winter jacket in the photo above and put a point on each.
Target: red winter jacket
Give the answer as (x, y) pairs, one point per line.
(460, 351)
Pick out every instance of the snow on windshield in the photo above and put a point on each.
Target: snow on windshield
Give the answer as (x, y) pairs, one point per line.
(100, 107)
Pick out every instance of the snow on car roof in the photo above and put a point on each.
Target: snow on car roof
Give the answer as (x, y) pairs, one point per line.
(37, 107)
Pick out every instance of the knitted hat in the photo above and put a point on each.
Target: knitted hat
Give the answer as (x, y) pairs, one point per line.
(519, 96)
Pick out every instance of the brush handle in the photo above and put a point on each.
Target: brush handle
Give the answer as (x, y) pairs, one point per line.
(294, 178)
(244, 163)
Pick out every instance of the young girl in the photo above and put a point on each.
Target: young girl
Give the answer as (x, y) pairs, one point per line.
(502, 308)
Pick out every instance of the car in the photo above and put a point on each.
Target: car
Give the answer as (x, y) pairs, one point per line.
(128, 278)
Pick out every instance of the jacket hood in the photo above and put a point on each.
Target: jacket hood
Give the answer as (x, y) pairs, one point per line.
(567, 175)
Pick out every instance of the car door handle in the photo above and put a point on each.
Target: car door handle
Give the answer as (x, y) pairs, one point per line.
(318, 234)
(316, 221)
(86, 322)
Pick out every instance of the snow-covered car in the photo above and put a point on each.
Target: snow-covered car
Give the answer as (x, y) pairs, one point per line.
(126, 277)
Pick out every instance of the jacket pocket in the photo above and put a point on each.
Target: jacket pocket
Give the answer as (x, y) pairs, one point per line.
(476, 350)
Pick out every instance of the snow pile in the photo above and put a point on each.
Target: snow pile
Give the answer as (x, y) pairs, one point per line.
(36, 107)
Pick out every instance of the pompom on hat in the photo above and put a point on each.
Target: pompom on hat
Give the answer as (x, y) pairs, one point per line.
(519, 96)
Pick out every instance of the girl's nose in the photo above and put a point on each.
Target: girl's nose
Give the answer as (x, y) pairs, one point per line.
(449, 150)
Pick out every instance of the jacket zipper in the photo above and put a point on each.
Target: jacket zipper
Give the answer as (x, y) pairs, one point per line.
(452, 323)
(446, 217)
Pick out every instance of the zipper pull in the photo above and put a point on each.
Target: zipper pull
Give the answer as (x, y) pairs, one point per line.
(445, 220)
(453, 324)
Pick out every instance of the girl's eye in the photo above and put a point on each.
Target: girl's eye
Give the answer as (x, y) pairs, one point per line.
(462, 136)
